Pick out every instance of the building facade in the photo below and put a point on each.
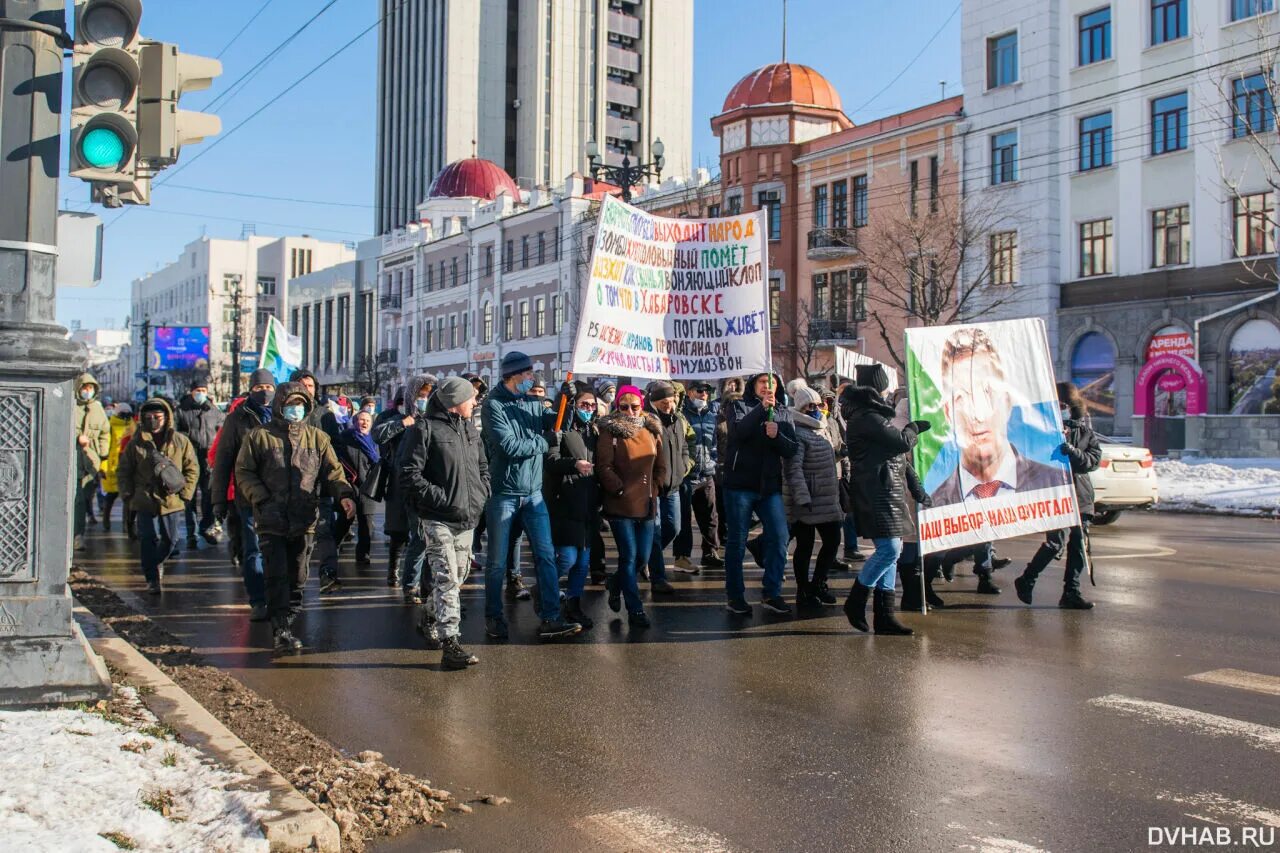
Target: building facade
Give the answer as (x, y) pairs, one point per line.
(334, 313)
(526, 84)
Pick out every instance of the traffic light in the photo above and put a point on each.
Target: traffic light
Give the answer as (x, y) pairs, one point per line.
(106, 72)
(167, 75)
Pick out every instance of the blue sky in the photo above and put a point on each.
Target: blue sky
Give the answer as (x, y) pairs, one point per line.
(317, 143)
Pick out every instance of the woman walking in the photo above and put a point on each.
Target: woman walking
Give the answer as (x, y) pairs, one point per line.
(122, 428)
(358, 453)
(573, 497)
(629, 465)
(811, 492)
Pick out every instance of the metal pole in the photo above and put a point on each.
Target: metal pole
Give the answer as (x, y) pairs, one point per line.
(146, 355)
(235, 342)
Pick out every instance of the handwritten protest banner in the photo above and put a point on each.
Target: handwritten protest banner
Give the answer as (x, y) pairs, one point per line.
(675, 297)
(991, 462)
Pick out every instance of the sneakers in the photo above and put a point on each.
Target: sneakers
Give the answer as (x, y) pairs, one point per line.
(495, 627)
(411, 596)
(516, 587)
(853, 555)
(776, 604)
(153, 587)
(393, 578)
(455, 657)
(684, 566)
(986, 587)
(572, 612)
(192, 543)
(806, 600)
(286, 641)
(824, 596)
(1074, 601)
(554, 629)
(712, 561)
(738, 607)
(258, 613)
(662, 587)
(330, 583)
(363, 560)
(1000, 562)
(1023, 586)
(613, 585)
(638, 619)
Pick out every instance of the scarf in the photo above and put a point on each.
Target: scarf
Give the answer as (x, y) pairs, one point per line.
(363, 442)
(264, 414)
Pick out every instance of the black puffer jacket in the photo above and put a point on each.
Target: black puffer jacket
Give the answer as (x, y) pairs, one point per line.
(675, 447)
(753, 461)
(812, 494)
(388, 431)
(573, 499)
(199, 422)
(243, 420)
(1084, 452)
(442, 469)
(878, 483)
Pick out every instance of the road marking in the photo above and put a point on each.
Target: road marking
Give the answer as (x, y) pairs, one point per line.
(639, 830)
(1241, 680)
(1215, 808)
(1265, 737)
(993, 844)
(1158, 552)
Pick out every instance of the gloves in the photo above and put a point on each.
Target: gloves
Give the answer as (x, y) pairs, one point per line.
(1065, 449)
(922, 426)
(925, 501)
(566, 390)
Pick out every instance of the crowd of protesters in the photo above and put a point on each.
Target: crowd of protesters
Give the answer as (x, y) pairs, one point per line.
(754, 466)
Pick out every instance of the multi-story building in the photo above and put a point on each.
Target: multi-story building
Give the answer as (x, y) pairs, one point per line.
(1142, 136)
(526, 84)
(334, 312)
(108, 349)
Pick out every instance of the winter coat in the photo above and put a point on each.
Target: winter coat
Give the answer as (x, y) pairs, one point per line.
(1084, 451)
(812, 490)
(357, 467)
(702, 446)
(199, 422)
(754, 460)
(122, 427)
(138, 482)
(239, 423)
(629, 465)
(878, 484)
(513, 435)
(675, 449)
(834, 426)
(442, 469)
(388, 431)
(282, 468)
(91, 421)
(573, 499)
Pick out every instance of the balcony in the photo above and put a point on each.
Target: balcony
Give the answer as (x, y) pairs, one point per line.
(830, 244)
(623, 59)
(624, 25)
(390, 302)
(621, 94)
(833, 330)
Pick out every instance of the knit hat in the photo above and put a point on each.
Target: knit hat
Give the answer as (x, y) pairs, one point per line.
(302, 373)
(454, 391)
(262, 376)
(199, 382)
(603, 385)
(124, 409)
(796, 384)
(702, 385)
(515, 362)
(630, 389)
(872, 375)
(806, 396)
(659, 389)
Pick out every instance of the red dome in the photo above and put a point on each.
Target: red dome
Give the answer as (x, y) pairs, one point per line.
(473, 178)
(783, 83)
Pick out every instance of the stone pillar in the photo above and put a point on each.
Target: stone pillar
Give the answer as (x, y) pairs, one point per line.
(43, 655)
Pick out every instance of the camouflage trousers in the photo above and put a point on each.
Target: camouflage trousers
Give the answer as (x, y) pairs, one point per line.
(448, 556)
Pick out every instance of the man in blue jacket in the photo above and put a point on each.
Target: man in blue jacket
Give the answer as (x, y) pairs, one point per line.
(513, 435)
(698, 491)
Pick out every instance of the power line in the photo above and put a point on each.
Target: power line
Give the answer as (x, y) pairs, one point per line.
(910, 64)
(242, 30)
(271, 197)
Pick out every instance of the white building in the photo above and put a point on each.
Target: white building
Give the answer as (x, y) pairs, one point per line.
(334, 311)
(526, 84)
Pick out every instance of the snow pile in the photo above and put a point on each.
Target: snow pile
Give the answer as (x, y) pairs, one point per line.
(1227, 486)
(110, 778)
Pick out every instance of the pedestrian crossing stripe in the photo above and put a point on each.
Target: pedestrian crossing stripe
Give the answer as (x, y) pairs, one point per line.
(639, 830)
(1264, 737)
(1238, 678)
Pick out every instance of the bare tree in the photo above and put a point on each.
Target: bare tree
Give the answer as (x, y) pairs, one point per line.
(806, 336)
(371, 373)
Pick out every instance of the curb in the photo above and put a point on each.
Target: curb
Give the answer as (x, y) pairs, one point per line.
(298, 823)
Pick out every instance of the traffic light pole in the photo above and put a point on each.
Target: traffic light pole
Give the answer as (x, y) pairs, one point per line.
(43, 654)
(146, 354)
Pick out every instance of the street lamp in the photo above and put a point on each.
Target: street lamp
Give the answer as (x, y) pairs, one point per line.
(626, 175)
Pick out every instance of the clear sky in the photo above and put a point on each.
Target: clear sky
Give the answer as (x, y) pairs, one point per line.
(315, 146)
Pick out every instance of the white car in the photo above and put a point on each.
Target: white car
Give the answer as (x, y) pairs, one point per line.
(1125, 479)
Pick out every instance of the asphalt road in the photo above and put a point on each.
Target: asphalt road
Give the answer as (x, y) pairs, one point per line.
(996, 727)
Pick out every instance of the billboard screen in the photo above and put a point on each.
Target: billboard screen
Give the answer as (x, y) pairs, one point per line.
(180, 348)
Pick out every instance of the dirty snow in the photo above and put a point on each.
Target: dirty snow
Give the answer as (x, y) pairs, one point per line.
(66, 779)
(1226, 486)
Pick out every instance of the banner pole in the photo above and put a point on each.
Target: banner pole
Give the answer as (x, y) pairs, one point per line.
(568, 377)
(924, 605)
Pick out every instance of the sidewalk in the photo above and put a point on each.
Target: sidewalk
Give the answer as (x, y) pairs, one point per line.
(1248, 487)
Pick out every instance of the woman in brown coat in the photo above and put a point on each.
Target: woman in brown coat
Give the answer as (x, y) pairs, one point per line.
(629, 465)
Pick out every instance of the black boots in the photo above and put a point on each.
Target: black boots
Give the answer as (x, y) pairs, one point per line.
(855, 606)
(572, 612)
(885, 620)
(985, 586)
(912, 600)
(455, 656)
(1072, 600)
(1023, 585)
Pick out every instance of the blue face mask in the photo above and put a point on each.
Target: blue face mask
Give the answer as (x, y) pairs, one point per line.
(524, 386)
(421, 403)
(200, 397)
(294, 414)
(584, 415)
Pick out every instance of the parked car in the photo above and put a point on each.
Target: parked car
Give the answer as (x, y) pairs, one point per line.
(1125, 479)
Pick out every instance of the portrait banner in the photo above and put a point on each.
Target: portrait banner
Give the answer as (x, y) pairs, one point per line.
(686, 298)
(992, 462)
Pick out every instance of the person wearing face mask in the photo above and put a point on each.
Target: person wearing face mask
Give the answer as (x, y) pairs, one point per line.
(388, 432)
(359, 456)
(606, 391)
(252, 414)
(199, 420)
(698, 491)
(93, 442)
(369, 405)
(122, 429)
(325, 415)
(419, 392)
(1083, 450)
(811, 492)
(282, 470)
(573, 497)
(157, 476)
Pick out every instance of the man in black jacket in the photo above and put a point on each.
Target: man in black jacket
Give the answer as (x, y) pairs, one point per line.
(760, 436)
(445, 477)
(663, 400)
(199, 420)
(326, 543)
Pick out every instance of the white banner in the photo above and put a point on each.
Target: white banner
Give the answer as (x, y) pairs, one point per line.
(847, 361)
(685, 298)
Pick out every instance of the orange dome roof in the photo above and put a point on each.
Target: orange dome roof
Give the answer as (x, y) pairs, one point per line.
(473, 178)
(783, 83)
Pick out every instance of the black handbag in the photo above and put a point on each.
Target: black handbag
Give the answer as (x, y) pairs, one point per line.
(169, 480)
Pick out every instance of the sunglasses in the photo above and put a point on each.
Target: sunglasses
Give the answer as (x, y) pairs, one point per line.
(587, 406)
(632, 407)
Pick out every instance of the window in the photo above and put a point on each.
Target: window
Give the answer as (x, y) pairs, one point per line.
(839, 313)
(840, 203)
(1169, 123)
(555, 243)
(857, 295)
(427, 337)
(713, 211)
(542, 248)
(820, 206)
(1004, 157)
(1171, 236)
(860, 183)
(1168, 20)
(915, 185)
(453, 272)
(540, 317)
(439, 332)
(266, 285)
(772, 204)
(1251, 108)
(408, 348)
(1004, 257)
(557, 312)
(1095, 36)
(1241, 9)
(524, 252)
(524, 320)
(453, 331)
(819, 306)
(1253, 217)
(1095, 248)
(442, 270)
(486, 335)
(933, 184)
(1095, 141)
(775, 301)
(508, 257)
(733, 205)
(430, 279)
(508, 323)
(488, 261)
(1002, 60)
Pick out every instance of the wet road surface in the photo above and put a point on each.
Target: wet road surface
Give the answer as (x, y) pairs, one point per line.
(996, 727)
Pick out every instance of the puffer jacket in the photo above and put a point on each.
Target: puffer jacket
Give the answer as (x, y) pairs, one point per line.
(878, 484)
(513, 435)
(243, 420)
(199, 422)
(356, 461)
(91, 421)
(754, 460)
(442, 469)
(138, 483)
(122, 427)
(1084, 451)
(812, 490)
(573, 499)
(675, 447)
(630, 464)
(282, 468)
(388, 432)
(702, 446)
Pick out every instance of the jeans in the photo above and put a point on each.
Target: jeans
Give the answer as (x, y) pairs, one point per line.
(156, 533)
(697, 503)
(982, 556)
(635, 537)
(415, 552)
(83, 502)
(880, 571)
(850, 533)
(574, 562)
(739, 504)
(669, 514)
(449, 556)
(205, 499)
(532, 512)
(255, 585)
(286, 559)
(804, 535)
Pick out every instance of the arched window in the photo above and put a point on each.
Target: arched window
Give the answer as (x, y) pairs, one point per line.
(1093, 370)
(1255, 356)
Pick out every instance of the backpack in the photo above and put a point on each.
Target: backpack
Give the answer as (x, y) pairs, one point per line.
(169, 479)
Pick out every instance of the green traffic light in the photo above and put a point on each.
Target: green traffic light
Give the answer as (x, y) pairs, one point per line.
(102, 148)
